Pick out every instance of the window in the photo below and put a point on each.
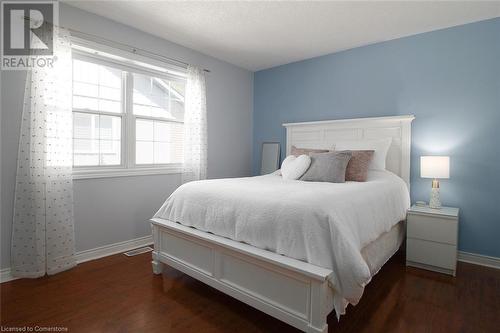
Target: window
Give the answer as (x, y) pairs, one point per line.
(125, 117)
(158, 107)
(97, 98)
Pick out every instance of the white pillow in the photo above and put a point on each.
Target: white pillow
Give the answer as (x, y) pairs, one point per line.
(380, 146)
(293, 167)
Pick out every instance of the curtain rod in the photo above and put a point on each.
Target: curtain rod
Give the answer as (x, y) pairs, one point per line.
(128, 48)
(133, 49)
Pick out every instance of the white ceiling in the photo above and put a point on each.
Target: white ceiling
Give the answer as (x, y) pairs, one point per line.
(259, 35)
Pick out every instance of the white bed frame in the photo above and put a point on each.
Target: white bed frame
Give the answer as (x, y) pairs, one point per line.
(288, 289)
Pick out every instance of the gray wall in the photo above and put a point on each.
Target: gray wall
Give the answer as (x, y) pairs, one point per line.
(111, 210)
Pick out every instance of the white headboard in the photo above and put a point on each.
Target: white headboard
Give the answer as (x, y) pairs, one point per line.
(323, 134)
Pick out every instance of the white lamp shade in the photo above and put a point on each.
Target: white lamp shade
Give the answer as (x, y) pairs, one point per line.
(435, 167)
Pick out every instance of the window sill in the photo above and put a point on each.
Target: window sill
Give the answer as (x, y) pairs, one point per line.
(112, 173)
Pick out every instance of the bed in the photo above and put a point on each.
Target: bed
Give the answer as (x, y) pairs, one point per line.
(256, 246)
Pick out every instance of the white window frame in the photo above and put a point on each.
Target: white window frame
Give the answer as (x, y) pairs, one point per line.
(127, 167)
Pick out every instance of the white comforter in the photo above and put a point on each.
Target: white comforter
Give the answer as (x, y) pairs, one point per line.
(325, 224)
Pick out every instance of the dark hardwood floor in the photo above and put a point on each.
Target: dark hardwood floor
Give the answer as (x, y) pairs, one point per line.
(120, 294)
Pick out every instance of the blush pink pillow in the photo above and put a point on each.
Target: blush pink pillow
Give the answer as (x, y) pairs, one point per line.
(357, 168)
(306, 151)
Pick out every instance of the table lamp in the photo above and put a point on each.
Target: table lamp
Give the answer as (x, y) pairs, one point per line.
(435, 167)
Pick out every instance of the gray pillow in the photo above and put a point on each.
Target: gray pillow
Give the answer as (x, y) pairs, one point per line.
(328, 167)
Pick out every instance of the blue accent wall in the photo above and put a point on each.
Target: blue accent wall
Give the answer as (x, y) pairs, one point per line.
(449, 79)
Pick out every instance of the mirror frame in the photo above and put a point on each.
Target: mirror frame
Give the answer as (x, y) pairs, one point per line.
(278, 154)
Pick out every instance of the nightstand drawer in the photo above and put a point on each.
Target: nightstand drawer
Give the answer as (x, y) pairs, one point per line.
(432, 228)
(431, 253)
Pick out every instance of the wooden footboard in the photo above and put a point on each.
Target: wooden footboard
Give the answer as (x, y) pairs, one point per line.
(287, 289)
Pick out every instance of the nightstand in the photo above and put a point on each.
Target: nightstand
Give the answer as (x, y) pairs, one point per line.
(432, 238)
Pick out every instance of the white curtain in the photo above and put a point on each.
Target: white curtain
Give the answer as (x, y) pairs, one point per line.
(43, 232)
(195, 126)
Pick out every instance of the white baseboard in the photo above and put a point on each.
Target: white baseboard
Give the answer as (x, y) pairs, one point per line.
(5, 275)
(479, 259)
(92, 254)
(107, 250)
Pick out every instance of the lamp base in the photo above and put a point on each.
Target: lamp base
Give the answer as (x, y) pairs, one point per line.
(435, 203)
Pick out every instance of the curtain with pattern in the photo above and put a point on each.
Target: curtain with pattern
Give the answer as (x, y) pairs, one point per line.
(43, 231)
(195, 126)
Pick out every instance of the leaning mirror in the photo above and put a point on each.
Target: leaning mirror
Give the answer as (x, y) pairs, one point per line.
(270, 157)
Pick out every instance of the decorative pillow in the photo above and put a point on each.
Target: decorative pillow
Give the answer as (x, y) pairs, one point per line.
(380, 148)
(328, 167)
(293, 167)
(357, 168)
(306, 151)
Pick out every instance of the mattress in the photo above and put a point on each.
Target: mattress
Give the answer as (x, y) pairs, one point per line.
(326, 224)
